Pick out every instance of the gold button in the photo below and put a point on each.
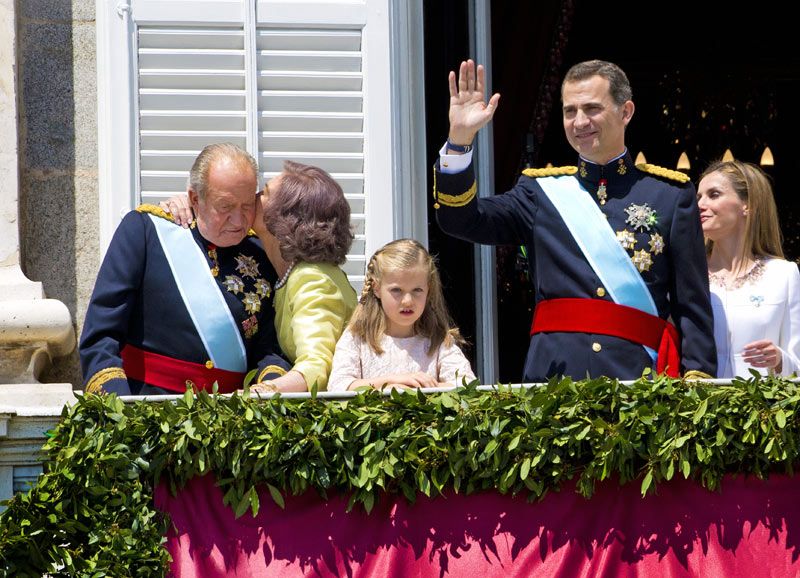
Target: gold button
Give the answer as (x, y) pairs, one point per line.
(601, 292)
(209, 364)
(596, 347)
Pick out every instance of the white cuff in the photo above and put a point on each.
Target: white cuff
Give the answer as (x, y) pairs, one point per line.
(452, 164)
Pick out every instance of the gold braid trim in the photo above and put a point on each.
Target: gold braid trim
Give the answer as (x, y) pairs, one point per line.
(95, 384)
(696, 374)
(550, 172)
(271, 369)
(664, 173)
(457, 200)
(155, 210)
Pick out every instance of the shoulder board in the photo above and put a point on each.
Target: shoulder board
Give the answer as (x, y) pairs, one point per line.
(664, 173)
(550, 172)
(155, 210)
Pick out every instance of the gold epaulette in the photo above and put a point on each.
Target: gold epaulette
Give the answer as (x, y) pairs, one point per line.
(662, 172)
(696, 374)
(95, 384)
(155, 210)
(550, 172)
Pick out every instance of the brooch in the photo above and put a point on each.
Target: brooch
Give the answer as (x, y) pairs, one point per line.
(641, 216)
(757, 300)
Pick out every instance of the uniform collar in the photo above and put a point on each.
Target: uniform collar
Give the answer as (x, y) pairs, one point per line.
(615, 170)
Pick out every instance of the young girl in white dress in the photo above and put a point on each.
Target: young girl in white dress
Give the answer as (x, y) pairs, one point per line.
(400, 334)
(755, 292)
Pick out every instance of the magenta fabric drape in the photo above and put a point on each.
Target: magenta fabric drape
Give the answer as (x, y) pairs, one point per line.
(750, 528)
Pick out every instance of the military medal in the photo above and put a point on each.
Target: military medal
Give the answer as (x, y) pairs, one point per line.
(602, 195)
(641, 216)
(233, 284)
(626, 238)
(251, 302)
(263, 288)
(250, 326)
(642, 260)
(656, 244)
(247, 266)
(212, 254)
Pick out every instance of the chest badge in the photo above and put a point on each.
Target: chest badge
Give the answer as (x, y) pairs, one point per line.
(641, 217)
(247, 266)
(656, 244)
(642, 260)
(627, 239)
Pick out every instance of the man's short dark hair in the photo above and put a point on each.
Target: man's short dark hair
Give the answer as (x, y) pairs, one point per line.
(618, 84)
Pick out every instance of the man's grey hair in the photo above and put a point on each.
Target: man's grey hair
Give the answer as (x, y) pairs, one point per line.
(198, 175)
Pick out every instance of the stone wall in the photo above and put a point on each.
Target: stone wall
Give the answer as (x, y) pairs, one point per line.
(58, 190)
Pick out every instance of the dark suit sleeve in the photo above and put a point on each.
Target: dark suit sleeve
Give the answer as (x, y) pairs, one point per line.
(270, 364)
(496, 220)
(690, 303)
(107, 318)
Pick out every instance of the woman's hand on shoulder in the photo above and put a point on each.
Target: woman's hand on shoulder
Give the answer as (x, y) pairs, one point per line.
(180, 208)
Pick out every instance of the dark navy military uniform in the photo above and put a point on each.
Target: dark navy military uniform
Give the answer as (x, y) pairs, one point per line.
(669, 254)
(136, 301)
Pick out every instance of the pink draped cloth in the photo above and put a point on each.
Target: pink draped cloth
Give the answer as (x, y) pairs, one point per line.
(750, 528)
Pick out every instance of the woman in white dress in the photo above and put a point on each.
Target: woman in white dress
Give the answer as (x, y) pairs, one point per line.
(755, 292)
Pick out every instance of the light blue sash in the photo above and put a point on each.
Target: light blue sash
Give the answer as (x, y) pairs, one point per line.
(202, 296)
(599, 244)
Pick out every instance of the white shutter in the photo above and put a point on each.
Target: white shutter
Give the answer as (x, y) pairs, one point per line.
(285, 79)
(191, 93)
(311, 111)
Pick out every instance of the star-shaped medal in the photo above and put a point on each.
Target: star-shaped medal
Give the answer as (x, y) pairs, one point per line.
(642, 260)
(656, 244)
(626, 238)
(641, 216)
(263, 287)
(247, 266)
(233, 284)
(252, 303)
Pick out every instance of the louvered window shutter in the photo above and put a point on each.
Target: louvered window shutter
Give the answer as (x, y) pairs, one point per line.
(284, 79)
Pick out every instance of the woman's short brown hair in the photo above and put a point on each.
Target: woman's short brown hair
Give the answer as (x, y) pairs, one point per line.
(308, 214)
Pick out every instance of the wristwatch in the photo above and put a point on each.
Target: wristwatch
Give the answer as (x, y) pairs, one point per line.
(458, 148)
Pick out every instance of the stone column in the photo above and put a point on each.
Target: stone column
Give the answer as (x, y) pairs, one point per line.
(33, 329)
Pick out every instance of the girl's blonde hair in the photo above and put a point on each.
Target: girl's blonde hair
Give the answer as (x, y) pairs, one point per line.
(762, 236)
(368, 322)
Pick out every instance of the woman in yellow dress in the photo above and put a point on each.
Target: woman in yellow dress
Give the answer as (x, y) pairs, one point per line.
(306, 233)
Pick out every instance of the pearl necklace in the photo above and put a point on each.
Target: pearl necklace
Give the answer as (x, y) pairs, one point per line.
(282, 281)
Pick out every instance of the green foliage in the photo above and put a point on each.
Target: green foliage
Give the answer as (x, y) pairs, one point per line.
(91, 513)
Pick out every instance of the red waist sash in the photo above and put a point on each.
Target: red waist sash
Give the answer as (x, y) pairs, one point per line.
(173, 374)
(608, 318)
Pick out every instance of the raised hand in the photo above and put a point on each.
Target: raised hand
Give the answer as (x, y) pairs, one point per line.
(469, 110)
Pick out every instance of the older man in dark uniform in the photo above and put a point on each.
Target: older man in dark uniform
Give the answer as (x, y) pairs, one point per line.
(615, 250)
(175, 307)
